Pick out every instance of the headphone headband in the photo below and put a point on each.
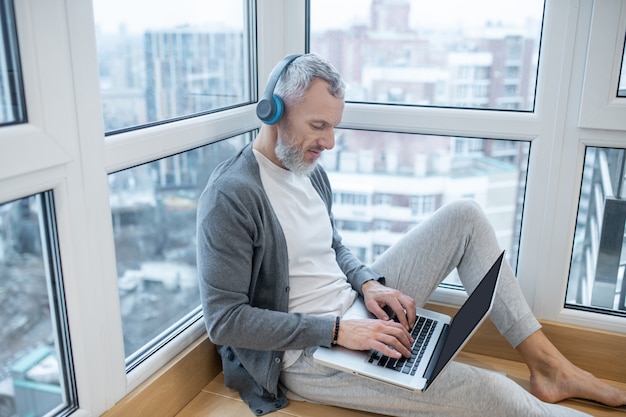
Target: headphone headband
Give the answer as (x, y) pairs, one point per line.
(271, 107)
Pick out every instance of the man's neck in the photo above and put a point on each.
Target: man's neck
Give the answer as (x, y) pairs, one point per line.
(265, 143)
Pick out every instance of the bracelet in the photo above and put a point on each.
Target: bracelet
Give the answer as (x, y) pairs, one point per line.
(336, 336)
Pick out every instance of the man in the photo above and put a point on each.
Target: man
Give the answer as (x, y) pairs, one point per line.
(275, 280)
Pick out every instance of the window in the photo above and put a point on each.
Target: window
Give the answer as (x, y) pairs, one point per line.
(379, 249)
(603, 105)
(154, 224)
(512, 71)
(183, 58)
(83, 82)
(12, 108)
(36, 374)
(449, 54)
(432, 52)
(352, 199)
(596, 281)
(596, 278)
(180, 62)
(382, 199)
(423, 204)
(405, 177)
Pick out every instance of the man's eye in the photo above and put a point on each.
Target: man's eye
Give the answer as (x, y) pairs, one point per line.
(318, 127)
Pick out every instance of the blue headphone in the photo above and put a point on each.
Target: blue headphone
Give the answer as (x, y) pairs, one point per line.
(271, 107)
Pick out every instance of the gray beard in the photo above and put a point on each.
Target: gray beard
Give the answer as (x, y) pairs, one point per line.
(292, 159)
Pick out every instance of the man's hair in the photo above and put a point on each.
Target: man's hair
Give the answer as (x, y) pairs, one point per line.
(297, 78)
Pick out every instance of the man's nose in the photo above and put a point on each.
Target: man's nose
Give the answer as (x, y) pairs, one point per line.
(328, 140)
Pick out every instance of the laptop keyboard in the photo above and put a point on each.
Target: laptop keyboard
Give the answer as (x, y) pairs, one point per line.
(422, 332)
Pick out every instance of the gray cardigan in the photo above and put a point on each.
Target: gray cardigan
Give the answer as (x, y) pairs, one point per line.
(244, 280)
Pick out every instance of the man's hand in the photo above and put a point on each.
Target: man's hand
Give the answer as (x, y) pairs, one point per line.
(377, 296)
(386, 336)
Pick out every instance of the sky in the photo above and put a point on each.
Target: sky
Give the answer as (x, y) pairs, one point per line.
(426, 12)
(165, 13)
(325, 13)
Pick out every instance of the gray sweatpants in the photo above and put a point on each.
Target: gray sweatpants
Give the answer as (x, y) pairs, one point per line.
(456, 236)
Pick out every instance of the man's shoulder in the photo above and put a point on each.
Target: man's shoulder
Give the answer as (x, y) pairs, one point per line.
(238, 169)
(236, 177)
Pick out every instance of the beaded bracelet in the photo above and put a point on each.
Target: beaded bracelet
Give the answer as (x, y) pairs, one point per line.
(336, 336)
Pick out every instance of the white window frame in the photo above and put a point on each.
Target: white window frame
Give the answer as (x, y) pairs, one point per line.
(125, 150)
(601, 108)
(594, 117)
(63, 148)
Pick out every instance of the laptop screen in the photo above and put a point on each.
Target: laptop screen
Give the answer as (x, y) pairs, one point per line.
(469, 316)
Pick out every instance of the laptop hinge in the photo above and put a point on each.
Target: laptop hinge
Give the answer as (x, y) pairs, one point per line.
(436, 354)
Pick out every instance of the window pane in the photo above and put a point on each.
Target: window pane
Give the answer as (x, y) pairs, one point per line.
(12, 109)
(596, 279)
(385, 183)
(182, 58)
(35, 362)
(452, 53)
(154, 224)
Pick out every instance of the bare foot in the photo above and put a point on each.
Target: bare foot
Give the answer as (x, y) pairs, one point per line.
(554, 378)
(553, 384)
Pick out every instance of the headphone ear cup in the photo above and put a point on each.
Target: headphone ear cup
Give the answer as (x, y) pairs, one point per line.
(269, 111)
(279, 110)
(265, 109)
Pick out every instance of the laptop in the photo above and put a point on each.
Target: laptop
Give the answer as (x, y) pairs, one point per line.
(441, 338)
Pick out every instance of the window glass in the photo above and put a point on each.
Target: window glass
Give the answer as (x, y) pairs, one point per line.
(596, 278)
(385, 183)
(179, 59)
(35, 365)
(154, 224)
(451, 53)
(622, 78)
(12, 108)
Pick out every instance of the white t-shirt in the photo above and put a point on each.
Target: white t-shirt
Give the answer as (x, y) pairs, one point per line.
(317, 284)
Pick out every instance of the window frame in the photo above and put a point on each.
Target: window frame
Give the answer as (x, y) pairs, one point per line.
(548, 129)
(601, 107)
(56, 288)
(479, 123)
(130, 148)
(63, 148)
(12, 58)
(57, 294)
(40, 142)
(587, 123)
